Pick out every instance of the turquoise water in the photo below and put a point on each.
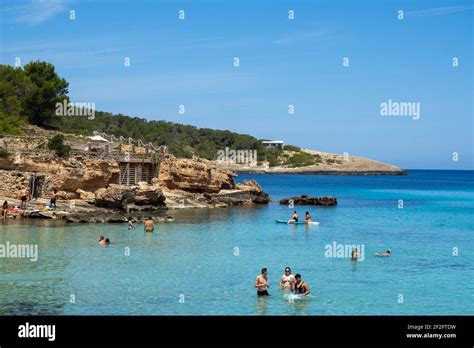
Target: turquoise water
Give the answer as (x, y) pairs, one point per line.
(189, 267)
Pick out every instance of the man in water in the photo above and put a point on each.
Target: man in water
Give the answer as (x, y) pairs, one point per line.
(130, 223)
(101, 240)
(294, 217)
(287, 280)
(54, 198)
(301, 288)
(307, 217)
(149, 225)
(23, 197)
(355, 254)
(387, 253)
(262, 284)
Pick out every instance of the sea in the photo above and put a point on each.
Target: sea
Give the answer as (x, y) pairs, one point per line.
(206, 261)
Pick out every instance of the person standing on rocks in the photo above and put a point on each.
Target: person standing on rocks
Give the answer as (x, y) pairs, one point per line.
(23, 197)
(149, 225)
(54, 198)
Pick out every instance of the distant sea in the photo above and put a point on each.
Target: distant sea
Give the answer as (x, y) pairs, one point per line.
(205, 263)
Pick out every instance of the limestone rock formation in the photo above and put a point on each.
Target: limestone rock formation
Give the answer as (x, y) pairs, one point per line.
(114, 196)
(194, 175)
(148, 194)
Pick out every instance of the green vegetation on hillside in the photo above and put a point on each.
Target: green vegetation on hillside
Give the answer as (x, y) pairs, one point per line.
(29, 95)
(56, 143)
(3, 153)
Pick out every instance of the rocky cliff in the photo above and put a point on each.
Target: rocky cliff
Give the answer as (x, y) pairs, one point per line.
(179, 183)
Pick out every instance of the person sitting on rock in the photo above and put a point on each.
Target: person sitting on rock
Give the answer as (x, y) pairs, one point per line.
(15, 211)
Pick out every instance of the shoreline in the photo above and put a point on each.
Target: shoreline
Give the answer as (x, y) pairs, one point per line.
(298, 171)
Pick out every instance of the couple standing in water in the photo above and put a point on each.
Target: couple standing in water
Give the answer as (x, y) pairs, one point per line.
(288, 282)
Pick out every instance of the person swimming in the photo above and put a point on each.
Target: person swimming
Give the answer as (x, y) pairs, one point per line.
(301, 288)
(294, 217)
(262, 284)
(355, 254)
(101, 240)
(107, 241)
(149, 225)
(287, 280)
(130, 223)
(385, 254)
(307, 217)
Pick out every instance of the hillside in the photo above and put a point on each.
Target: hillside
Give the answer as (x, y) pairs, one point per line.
(31, 95)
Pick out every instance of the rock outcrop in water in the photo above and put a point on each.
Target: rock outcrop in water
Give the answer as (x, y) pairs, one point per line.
(306, 200)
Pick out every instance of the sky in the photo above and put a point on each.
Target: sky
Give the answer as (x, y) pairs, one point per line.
(337, 107)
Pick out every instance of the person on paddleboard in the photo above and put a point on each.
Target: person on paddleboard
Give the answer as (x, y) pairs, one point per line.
(294, 217)
(307, 217)
(301, 288)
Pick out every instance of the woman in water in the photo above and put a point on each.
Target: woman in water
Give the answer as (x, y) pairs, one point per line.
(287, 280)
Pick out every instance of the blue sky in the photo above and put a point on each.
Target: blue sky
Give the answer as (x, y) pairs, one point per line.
(282, 62)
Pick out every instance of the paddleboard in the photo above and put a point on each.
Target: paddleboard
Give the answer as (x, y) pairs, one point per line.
(297, 223)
